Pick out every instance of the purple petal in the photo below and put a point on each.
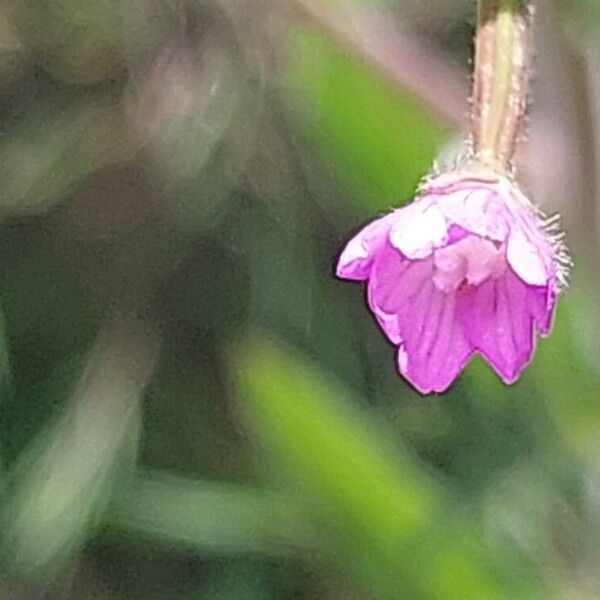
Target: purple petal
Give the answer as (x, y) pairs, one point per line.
(434, 342)
(420, 319)
(479, 210)
(418, 229)
(356, 259)
(500, 317)
(529, 254)
(395, 281)
(540, 302)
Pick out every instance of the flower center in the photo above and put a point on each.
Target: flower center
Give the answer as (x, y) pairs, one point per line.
(468, 263)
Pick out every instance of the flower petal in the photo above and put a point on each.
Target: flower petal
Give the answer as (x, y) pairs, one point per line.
(395, 281)
(356, 259)
(418, 229)
(541, 304)
(479, 210)
(499, 317)
(420, 319)
(525, 255)
(435, 346)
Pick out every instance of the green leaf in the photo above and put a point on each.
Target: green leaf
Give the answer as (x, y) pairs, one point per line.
(379, 139)
(384, 516)
(62, 482)
(212, 518)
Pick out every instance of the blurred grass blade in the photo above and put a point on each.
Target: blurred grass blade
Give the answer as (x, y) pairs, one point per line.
(59, 488)
(212, 518)
(408, 61)
(5, 384)
(383, 139)
(386, 518)
(48, 155)
(298, 415)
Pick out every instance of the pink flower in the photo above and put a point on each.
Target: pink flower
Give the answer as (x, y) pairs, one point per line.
(469, 266)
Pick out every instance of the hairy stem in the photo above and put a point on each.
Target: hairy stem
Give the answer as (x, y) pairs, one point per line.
(500, 83)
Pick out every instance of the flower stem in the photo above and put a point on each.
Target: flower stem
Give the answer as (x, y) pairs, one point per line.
(500, 83)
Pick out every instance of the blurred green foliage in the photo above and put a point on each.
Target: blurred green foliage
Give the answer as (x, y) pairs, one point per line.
(380, 142)
(191, 405)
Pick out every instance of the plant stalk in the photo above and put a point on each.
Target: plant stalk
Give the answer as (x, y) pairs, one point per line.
(500, 83)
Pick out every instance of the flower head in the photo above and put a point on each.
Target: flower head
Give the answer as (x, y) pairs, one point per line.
(469, 266)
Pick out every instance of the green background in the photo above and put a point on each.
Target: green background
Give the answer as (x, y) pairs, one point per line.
(191, 405)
